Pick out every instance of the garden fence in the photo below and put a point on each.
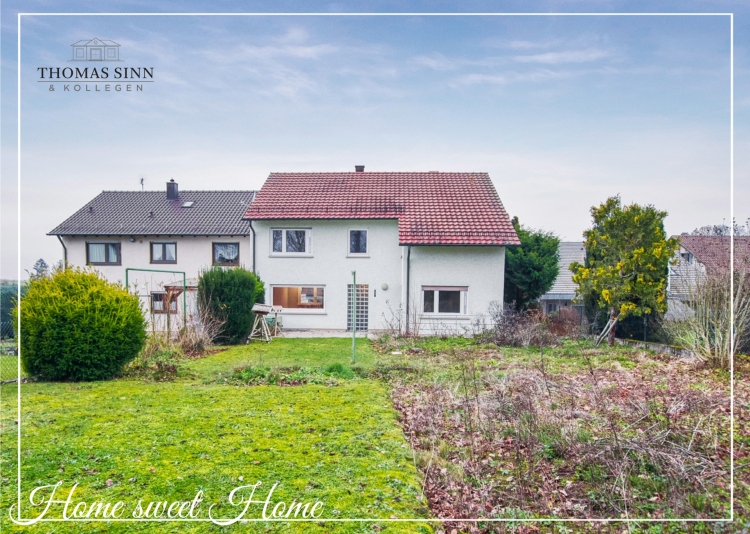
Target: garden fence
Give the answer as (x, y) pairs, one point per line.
(8, 352)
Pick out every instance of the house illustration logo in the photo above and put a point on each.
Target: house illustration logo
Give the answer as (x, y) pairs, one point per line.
(96, 50)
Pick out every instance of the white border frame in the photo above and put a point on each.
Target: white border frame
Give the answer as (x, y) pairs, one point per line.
(426, 520)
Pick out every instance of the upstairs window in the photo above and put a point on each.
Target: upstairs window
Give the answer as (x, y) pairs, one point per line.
(687, 256)
(291, 241)
(163, 252)
(449, 300)
(103, 254)
(357, 242)
(226, 254)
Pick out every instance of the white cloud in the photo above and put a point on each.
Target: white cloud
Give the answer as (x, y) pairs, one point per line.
(570, 56)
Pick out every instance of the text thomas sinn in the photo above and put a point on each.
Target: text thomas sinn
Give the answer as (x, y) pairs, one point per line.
(135, 75)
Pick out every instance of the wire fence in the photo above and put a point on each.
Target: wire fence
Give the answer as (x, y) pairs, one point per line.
(8, 353)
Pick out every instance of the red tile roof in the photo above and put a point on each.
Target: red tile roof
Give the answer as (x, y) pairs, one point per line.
(432, 208)
(713, 252)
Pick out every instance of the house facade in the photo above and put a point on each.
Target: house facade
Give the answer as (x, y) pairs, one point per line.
(159, 242)
(562, 294)
(697, 257)
(428, 249)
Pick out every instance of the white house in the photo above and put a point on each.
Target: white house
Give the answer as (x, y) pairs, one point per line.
(428, 248)
(562, 294)
(159, 241)
(698, 257)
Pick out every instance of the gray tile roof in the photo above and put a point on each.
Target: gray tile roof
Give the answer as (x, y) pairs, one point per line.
(564, 288)
(150, 213)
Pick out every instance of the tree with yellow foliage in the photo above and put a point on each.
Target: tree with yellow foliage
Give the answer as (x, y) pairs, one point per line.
(627, 261)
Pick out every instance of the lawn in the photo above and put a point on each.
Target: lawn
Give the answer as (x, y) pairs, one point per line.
(125, 440)
(496, 432)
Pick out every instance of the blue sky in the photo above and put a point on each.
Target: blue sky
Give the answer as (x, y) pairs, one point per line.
(561, 111)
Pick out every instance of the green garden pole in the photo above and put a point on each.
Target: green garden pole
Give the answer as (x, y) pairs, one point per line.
(354, 317)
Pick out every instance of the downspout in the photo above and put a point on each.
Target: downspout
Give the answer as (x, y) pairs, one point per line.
(65, 252)
(253, 231)
(408, 265)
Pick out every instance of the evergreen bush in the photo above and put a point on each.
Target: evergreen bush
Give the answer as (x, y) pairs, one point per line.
(228, 295)
(75, 325)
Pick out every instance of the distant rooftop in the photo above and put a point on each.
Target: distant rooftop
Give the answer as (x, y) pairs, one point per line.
(564, 288)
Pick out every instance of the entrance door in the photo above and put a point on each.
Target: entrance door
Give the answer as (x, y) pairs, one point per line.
(96, 54)
(363, 307)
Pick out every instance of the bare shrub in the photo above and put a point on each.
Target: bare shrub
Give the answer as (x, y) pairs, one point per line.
(598, 444)
(565, 322)
(706, 328)
(517, 328)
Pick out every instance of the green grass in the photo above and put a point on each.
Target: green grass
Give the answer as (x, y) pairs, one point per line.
(340, 445)
(310, 353)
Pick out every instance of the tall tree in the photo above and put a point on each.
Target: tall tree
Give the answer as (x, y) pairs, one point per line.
(531, 269)
(40, 268)
(627, 261)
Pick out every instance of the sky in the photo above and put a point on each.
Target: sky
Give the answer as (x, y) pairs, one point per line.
(561, 111)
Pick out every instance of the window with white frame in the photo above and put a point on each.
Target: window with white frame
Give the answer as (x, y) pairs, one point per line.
(299, 297)
(358, 243)
(444, 300)
(293, 241)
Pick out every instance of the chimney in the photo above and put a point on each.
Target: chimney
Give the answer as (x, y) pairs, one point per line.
(172, 192)
(359, 168)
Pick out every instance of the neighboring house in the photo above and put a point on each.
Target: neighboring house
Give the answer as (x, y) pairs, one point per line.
(426, 246)
(697, 257)
(96, 50)
(563, 291)
(172, 230)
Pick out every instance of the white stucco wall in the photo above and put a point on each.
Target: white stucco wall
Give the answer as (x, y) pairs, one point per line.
(193, 255)
(329, 266)
(480, 269)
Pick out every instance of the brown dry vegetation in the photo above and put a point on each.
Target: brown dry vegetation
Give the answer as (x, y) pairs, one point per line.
(571, 432)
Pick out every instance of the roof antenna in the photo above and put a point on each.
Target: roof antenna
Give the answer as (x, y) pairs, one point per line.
(142, 180)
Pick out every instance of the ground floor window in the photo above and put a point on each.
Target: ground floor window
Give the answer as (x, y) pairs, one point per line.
(444, 300)
(159, 300)
(299, 297)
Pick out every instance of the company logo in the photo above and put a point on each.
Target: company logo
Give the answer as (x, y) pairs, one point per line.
(96, 76)
(96, 50)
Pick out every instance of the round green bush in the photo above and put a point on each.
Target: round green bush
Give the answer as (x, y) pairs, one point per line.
(75, 325)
